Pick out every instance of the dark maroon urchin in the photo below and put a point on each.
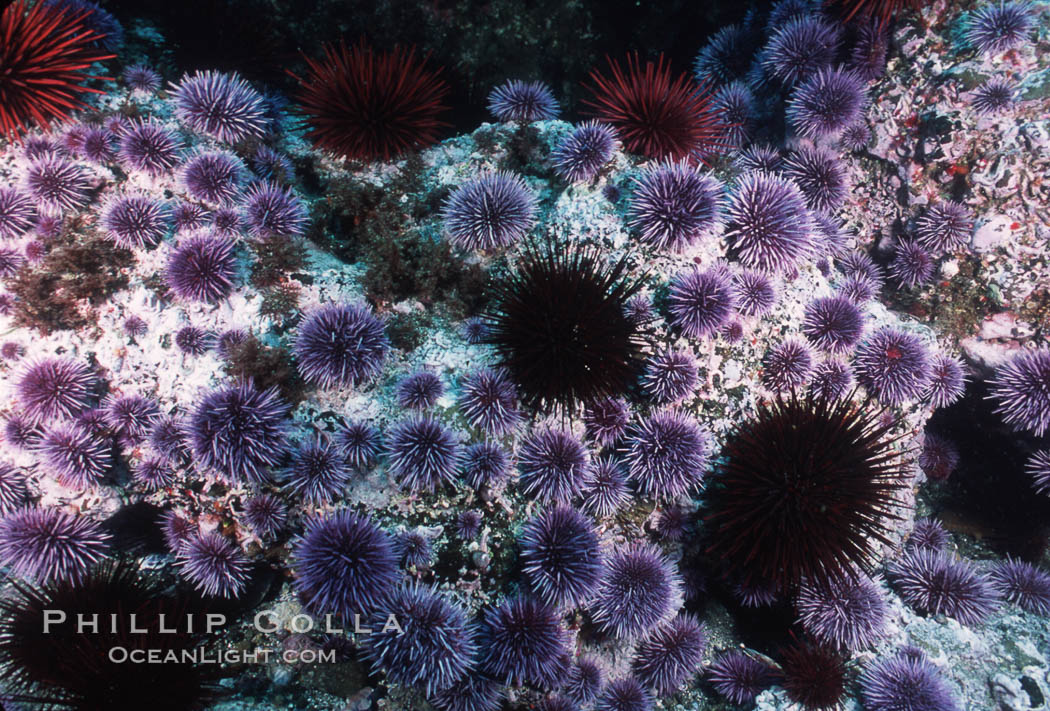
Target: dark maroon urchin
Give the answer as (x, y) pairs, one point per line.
(1023, 584)
(360, 443)
(938, 458)
(831, 379)
(813, 675)
(605, 490)
(525, 101)
(994, 96)
(492, 211)
(56, 388)
(753, 292)
(266, 515)
(605, 420)
(56, 184)
(154, 474)
(848, 614)
(214, 565)
(927, 533)
(934, 583)
(488, 401)
(826, 102)
(625, 694)
(855, 137)
(947, 380)
(700, 302)
(944, 226)
(807, 490)
(670, 376)
(906, 681)
(213, 176)
(584, 152)
(432, 646)
(769, 224)
(13, 491)
(667, 454)
(787, 366)
(422, 454)
(820, 175)
(912, 265)
(46, 545)
(527, 643)
(893, 365)
(468, 524)
(833, 323)
(670, 654)
(419, 390)
(194, 341)
(340, 344)
(739, 677)
(415, 549)
(552, 465)
(641, 588)
(16, 213)
(485, 465)
(758, 157)
(318, 473)
(997, 27)
(561, 557)
(149, 146)
(272, 210)
(584, 680)
(130, 416)
(800, 47)
(673, 205)
(1021, 391)
(1038, 468)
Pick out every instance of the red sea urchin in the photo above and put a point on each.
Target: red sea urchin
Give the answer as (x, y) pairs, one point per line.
(44, 50)
(369, 105)
(654, 114)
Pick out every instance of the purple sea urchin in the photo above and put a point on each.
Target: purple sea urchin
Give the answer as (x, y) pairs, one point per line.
(739, 677)
(820, 175)
(737, 105)
(474, 692)
(893, 365)
(725, 56)
(1023, 584)
(849, 613)
(419, 391)
(485, 464)
(945, 226)
(670, 376)
(1021, 391)
(416, 549)
(223, 106)
(526, 643)
(238, 431)
(344, 564)
(670, 654)
(213, 176)
(606, 419)
(833, 323)
(266, 515)
(149, 146)
(938, 457)
(673, 204)
(933, 583)
(625, 694)
(787, 366)
(855, 137)
(800, 47)
(16, 213)
(433, 645)
(55, 389)
(422, 454)
(524, 101)
(56, 184)
(947, 380)
(48, 545)
(769, 224)
(605, 490)
(584, 152)
(867, 58)
(928, 533)
(831, 380)
(493, 211)
(826, 102)
(154, 474)
(22, 433)
(753, 292)
(194, 341)
(552, 465)
(700, 302)
(272, 210)
(214, 565)
(360, 444)
(488, 401)
(468, 524)
(1038, 467)
(584, 681)
(912, 265)
(561, 557)
(318, 471)
(202, 268)
(12, 488)
(140, 77)
(667, 454)
(640, 589)
(758, 157)
(996, 28)
(340, 345)
(905, 681)
(994, 96)
(131, 416)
